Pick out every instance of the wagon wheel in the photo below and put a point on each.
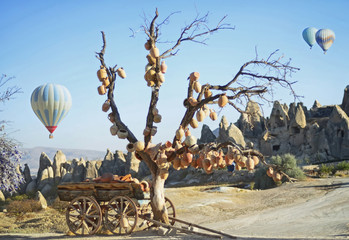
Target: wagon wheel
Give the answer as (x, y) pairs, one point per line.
(84, 216)
(171, 211)
(121, 215)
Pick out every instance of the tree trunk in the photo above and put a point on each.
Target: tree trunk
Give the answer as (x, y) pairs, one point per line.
(157, 196)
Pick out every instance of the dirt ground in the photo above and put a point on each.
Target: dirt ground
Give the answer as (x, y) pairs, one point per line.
(311, 209)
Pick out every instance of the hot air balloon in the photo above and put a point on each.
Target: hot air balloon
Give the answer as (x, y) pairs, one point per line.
(309, 35)
(51, 103)
(325, 38)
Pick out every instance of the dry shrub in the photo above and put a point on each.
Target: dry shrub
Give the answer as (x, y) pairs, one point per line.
(22, 207)
(60, 206)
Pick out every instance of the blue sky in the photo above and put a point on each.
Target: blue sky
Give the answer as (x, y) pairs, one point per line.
(56, 41)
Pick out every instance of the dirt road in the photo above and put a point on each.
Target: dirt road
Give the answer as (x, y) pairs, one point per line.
(313, 209)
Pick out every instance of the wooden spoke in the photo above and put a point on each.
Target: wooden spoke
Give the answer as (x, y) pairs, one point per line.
(171, 211)
(84, 216)
(121, 215)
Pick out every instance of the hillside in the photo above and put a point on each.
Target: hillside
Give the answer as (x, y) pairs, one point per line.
(31, 156)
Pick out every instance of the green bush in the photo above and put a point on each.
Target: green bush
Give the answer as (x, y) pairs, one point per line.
(287, 163)
(326, 169)
(342, 166)
(262, 180)
(21, 207)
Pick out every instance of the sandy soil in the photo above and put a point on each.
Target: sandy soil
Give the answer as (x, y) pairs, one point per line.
(312, 209)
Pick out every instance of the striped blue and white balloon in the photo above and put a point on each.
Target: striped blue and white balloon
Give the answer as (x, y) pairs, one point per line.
(51, 103)
(325, 38)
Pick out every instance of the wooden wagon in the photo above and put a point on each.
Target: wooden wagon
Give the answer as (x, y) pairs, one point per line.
(118, 206)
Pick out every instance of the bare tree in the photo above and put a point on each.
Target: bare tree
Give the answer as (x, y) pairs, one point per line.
(247, 84)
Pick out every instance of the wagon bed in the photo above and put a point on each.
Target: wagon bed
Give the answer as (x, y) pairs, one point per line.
(100, 191)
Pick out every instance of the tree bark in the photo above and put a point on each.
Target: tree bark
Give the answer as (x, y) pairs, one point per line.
(157, 196)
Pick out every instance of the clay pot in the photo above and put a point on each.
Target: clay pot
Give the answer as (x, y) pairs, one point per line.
(102, 90)
(121, 72)
(148, 67)
(153, 130)
(151, 60)
(243, 161)
(194, 163)
(256, 160)
(192, 101)
(155, 111)
(106, 82)
(188, 157)
(222, 100)
(219, 159)
(145, 186)
(206, 110)
(163, 67)
(197, 87)
(150, 83)
(194, 76)
(249, 163)
(194, 123)
(207, 93)
(176, 163)
(228, 161)
(154, 52)
(122, 133)
(194, 149)
(270, 172)
(187, 132)
(111, 117)
(190, 141)
(152, 150)
(114, 129)
(106, 106)
(130, 147)
(277, 177)
(150, 75)
(237, 167)
(102, 73)
(200, 115)
(180, 133)
(199, 161)
(213, 115)
(160, 77)
(207, 165)
(147, 45)
(168, 144)
(157, 118)
(146, 131)
(139, 146)
(106, 177)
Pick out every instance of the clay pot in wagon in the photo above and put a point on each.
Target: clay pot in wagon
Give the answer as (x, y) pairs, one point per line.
(207, 165)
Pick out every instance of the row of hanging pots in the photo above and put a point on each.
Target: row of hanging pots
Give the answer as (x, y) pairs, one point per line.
(152, 76)
(102, 75)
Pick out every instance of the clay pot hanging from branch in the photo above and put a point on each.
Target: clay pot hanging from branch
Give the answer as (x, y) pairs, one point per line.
(102, 73)
(222, 100)
(121, 72)
(106, 106)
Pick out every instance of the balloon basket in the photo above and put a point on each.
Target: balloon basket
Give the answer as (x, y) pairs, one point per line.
(50, 136)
